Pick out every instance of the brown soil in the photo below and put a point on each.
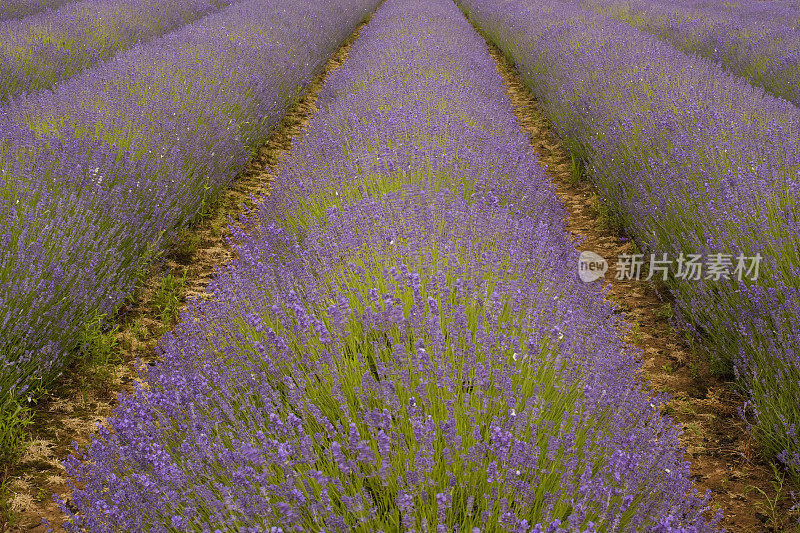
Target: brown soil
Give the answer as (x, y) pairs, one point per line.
(86, 396)
(724, 459)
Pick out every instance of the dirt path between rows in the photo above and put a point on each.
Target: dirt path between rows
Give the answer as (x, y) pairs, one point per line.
(724, 459)
(85, 397)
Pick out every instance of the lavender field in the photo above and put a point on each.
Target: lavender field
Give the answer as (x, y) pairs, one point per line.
(403, 338)
(39, 51)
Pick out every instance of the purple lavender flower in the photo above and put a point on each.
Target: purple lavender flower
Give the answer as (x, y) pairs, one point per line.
(40, 50)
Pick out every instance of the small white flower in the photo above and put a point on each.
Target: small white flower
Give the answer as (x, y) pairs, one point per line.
(513, 412)
(667, 470)
(391, 242)
(518, 472)
(514, 357)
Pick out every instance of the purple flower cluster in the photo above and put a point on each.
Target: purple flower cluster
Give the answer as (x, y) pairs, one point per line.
(785, 12)
(16, 9)
(52, 45)
(402, 342)
(695, 161)
(747, 39)
(98, 175)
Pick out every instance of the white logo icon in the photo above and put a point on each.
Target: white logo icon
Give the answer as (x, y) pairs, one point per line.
(591, 266)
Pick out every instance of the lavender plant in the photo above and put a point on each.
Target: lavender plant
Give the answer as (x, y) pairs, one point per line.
(696, 161)
(16, 9)
(130, 152)
(760, 46)
(410, 349)
(43, 49)
(785, 12)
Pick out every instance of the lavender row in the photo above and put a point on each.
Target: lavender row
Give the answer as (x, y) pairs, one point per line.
(761, 47)
(16, 9)
(402, 342)
(43, 49)
(694, 161)
(785, 12)
(131, 152)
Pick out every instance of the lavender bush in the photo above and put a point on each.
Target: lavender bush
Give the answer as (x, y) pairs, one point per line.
(695, 161)
(402, 342)
(15, 9)
(130, 152)
(746, 39)
(43, 49)
(785, 12)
